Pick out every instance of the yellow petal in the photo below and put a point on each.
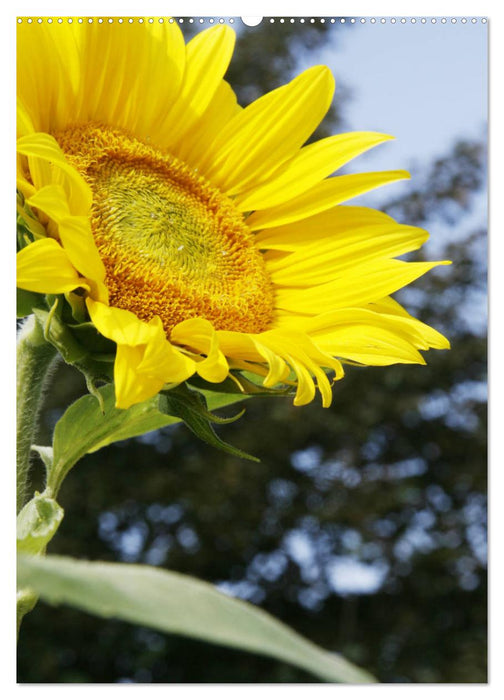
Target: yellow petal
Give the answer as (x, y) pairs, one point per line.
(47, 59)
(208, 57)
(424, 336)
(24, 123)
(145, 360)
(48, 166)
(194, 148)
(270, 131)
(323, 196)
(306, 359)
(75, 234)
(314, 163)
(370, 345)
(45, 267)
(161, 357)
(74, 231)
(324, 261)
(120, 325)
(361, 285)
(23, 183)
(245, 351)
(152, 61)
(238, 346)
(283, 350)
(305, 392)
(199, 335)
(130, 387)
(299, 345)
(51, 200)
(141, 371)
(278, 371)
(365, 336)
(327, 224)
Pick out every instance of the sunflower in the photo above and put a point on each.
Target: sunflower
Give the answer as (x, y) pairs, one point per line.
(204, 237)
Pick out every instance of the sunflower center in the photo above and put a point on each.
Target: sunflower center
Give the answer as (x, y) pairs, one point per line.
(172, 245)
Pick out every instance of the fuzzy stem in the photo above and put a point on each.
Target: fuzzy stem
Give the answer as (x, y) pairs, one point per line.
(34, 358)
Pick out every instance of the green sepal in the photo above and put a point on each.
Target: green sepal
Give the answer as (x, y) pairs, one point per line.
(27, 301)
(77, 305)
(59, 335)
(37, 523)
(240, 383)
(196, 400)
(62, 336)
(191, 407)
(86, 335)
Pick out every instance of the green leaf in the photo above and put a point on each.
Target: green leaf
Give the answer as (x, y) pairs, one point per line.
(87, 336)
(191, 407)
(37, 523)
(61, 336)
(85, 427)
(178, 604)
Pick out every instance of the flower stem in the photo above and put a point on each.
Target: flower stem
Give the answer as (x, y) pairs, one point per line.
(34, 358)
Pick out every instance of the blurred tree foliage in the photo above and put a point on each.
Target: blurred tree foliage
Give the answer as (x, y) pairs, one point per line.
(363, 527)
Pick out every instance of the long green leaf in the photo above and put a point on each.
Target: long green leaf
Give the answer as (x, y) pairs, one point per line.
(177, 604)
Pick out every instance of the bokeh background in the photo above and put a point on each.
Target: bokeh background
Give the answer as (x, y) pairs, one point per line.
(364, 525)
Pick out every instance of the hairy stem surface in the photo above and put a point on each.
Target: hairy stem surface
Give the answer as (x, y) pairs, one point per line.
(34, 358)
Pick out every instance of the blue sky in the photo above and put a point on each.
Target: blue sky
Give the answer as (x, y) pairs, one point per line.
(425, 84)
